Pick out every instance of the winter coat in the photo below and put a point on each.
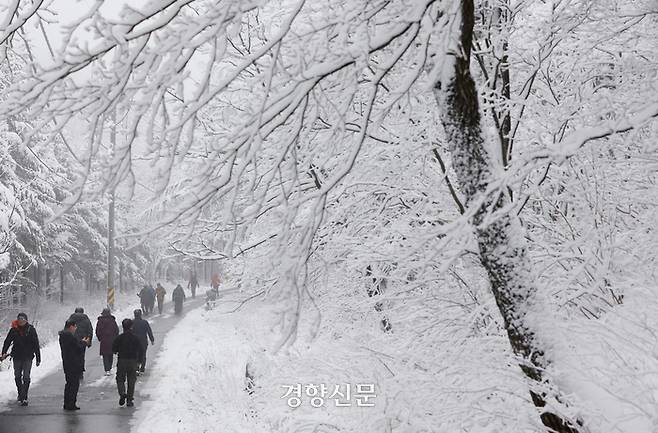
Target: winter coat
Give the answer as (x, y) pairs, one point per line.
(178, 294)
(128, 346)
(106, 331)
(142, 331)
(73, 350)
(160, 292)
(25, 342)
(84, 326)
(147, 294)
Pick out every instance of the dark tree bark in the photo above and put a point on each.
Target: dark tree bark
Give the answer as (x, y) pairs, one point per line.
(500, 239)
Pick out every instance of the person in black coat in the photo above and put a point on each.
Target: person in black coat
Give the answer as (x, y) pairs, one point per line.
(129, 351)
(147, 298)
(84, 329)
(178, 296)
(73, 358)
(25, 346)
(151, 299)
(143, 332)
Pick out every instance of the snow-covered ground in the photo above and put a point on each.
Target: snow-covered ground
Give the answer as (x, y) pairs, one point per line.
(200, 373)
(201, 384)
(202, 378)
(611, 364)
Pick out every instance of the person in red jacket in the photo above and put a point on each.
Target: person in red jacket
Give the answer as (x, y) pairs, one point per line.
(214, 282)
(25, 347)
(106, 331)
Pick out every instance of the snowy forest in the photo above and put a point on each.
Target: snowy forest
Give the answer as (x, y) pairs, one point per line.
(454, 201)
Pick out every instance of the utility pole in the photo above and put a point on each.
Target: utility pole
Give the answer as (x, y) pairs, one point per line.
(110, 225)
(110, 254)
(61, 284)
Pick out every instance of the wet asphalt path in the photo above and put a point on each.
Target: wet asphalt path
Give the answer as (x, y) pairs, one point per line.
(98, 398)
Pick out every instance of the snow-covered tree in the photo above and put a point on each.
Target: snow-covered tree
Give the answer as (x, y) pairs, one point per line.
(263, 125)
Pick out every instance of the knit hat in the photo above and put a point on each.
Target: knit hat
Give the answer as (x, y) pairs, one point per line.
(22, 315)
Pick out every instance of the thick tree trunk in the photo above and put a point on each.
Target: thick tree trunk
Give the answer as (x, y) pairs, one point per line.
(501, 240)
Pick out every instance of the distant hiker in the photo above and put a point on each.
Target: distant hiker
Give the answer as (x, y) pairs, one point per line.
(73, 359)
(151, 299)
(106, 331)
(193, 284)
(129, 351)
(84, 329)
(160, 293)
(178, 296)
(214, 282)
(142, 331)
(146, 296)
(211, 299)
(143, 297)
(25, 346)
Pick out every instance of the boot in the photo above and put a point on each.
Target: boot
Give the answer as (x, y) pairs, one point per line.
(19, 389)
(25, 389)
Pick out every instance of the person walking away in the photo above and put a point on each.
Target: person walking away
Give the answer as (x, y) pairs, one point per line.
(84, 329)
(106, 331)
(143, 332)
(73, 359)
(193, 284)
(151, 299)
(160, 293)
(24, 342)
(129, 351)
(214, 282)
(178, 296)
(143, 297)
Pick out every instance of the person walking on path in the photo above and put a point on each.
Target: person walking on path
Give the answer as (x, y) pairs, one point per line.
(147, 298)
(84, 329)
(143, 294)
(193, 284)
(160, 293)
(214, 282)
(106, 331)
(178, 296)
(143, 332)
(151, 299)
(73, 358)
(24, 348)
(129, 351)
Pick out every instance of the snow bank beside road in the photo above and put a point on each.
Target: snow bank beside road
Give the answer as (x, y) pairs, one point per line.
(198, 382)
(198, 378)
